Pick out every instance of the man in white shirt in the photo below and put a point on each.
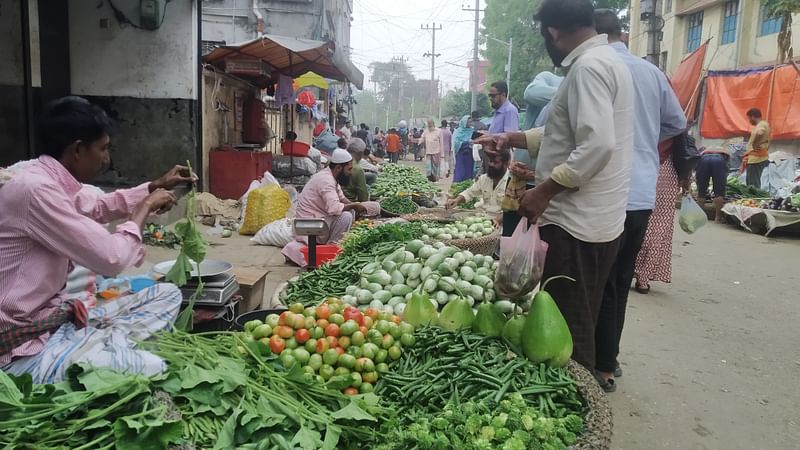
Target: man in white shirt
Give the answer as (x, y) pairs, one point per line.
(658, 116)
(490, 187)
(583, 166)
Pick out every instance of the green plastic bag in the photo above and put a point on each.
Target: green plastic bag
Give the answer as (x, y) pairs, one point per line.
(692, 216)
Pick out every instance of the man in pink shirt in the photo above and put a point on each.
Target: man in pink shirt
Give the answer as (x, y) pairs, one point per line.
(48, 225)
(322, 198)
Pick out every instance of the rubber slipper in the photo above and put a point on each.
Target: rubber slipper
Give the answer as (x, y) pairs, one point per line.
(608, 385)
(617, 371)
(642, 290)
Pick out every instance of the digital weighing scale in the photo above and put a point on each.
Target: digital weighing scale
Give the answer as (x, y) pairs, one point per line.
(217, 290)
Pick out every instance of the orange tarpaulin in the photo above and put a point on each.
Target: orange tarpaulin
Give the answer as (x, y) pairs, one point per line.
(685, 78)
(729, 94)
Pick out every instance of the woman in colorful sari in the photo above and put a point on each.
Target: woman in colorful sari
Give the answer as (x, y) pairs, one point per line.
(462, 146)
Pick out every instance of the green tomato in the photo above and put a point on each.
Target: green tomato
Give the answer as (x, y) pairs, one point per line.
(395, 330)
(318, 332)
(348, 328)
(338, 319)
(309, 370)
(355, 350)
(315, 361)
(311, 345)
(357, 338)
(381, 356)
(370, 377)
(394, 352)
(369, 350)
(326, 372)
(406, 328)
(262, 331)
(382, 326)
(291, 343)
(247, 337)
(301, 355)
(341, 371)
(382, 368)
(287, 360)
(348, 361)
(310, 312)
(365, 388)
(356, 377)
(388, 342)
(330, 356)
(272, 320)
(407, 340)
(375, 337)
(251, 325)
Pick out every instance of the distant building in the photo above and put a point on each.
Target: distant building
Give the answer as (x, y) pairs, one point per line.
(482, 70)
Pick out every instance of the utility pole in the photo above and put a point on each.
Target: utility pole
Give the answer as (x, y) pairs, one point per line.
(395, 61)
(473, 73)
(433, 55)
(650, 14)
(508, 64)
(375, 102)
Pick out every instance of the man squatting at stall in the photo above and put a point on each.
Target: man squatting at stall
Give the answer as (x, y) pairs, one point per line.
(322, 198)
(48, 225)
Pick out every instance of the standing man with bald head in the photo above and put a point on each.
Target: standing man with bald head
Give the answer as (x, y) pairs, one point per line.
(657, 116)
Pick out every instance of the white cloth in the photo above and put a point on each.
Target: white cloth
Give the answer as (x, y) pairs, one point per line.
(341, 156)
(109, 337)
(490, 196)
(588, 144)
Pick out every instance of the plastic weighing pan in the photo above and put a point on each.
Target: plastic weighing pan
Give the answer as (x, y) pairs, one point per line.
(259, 314)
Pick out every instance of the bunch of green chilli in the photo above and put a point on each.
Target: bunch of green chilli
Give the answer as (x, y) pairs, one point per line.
(399, 204)
(461, 186)
(480, 425)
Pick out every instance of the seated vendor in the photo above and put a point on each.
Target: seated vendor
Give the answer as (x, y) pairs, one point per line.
(322, 198)
(49, 225)
(356, 190)
(490, 187)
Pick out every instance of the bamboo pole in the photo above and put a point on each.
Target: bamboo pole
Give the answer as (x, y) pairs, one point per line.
(772, 88)
(703, 73)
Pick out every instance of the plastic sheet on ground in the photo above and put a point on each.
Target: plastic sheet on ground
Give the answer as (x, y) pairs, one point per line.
(763, 221)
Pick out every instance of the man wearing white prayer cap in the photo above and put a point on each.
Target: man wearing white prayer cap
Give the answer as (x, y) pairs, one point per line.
(322, 198)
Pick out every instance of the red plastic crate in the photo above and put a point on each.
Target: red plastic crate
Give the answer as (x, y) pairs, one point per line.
(325, 253)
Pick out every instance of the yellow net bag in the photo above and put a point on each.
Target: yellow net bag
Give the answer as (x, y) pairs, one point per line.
(264, 205)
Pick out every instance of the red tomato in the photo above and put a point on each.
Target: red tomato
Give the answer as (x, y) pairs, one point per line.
(322, 346)
(276, 344)
(351, 391)
(302, 336)
(285, 331)
(323, 311)
(333, 340)
(322, 323)
(396, 319)
(368, 322)
(371, 312)
(284, 316)
(339, 350)
(332, 330)
(354, 314)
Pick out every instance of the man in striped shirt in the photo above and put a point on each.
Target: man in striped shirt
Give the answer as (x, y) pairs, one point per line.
(48, 225)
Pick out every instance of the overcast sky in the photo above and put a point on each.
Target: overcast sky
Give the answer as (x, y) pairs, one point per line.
(383, 29)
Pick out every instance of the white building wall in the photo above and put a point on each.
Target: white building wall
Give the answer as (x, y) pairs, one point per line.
(109, 59)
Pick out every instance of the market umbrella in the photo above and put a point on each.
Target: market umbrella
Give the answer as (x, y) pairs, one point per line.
(310, 79)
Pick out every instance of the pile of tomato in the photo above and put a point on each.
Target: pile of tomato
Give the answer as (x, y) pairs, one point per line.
(333, 340)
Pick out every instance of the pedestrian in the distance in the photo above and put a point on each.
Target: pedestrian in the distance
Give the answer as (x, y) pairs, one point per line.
(462, 146)
(432, 140)
(393, 145)
(447, 150)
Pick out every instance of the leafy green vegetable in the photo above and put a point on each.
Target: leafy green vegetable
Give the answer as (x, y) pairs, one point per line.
(399, 204)
(397, 178)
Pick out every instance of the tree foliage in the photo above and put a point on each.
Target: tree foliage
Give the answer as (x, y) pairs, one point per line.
(784, 9)
(456, 103)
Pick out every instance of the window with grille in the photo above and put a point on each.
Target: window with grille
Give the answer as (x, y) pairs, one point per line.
(769, 24)
(729, 19)
(667, 6)
(694, 32)
(664, 61)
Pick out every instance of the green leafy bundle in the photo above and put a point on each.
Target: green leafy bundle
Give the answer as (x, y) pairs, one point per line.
(399, 204)
(734, 188)
(390, 232)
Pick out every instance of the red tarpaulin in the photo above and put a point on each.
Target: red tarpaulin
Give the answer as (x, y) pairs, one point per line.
(685, 80)
(729, 94)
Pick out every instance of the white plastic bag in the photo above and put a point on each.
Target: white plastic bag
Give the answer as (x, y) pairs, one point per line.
(521, 262)
(692, 216)
(277, 233)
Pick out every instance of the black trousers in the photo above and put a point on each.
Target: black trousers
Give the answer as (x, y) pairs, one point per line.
(615, 295)
(588, 263)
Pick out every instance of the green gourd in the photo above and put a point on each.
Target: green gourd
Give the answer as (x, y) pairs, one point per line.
(545, 334)
(419, 310)
(489, 320)
(456, 314)
(512, 331)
